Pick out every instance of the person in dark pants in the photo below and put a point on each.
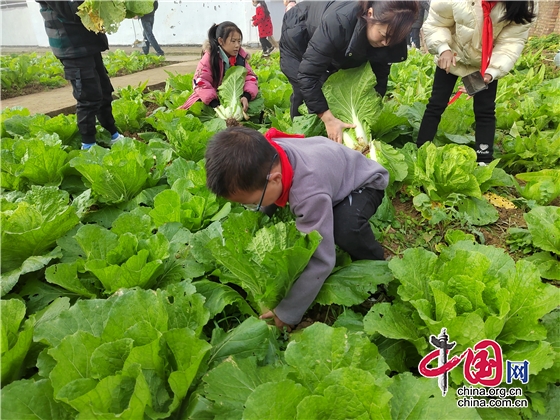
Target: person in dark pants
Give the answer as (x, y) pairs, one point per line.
(79, 51)
(330, 188)
(319, 38)
(149, 38)
(468, 37)
(414, 38)
(263, 22)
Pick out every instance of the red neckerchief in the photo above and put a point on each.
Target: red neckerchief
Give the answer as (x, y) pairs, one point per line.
(487, 41)
(487, 35)
(232, 60)
(287, 170)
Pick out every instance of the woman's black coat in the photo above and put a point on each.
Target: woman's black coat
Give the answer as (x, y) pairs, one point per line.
(319, 38)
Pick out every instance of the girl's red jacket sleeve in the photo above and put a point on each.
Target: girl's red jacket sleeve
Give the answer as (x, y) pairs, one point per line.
(259, 18)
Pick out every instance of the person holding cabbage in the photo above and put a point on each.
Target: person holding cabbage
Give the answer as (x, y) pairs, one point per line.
(319, 38)
(79, 50)
(223, 51)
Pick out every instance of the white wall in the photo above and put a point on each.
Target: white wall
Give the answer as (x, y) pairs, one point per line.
(177, 22)
(23, 26)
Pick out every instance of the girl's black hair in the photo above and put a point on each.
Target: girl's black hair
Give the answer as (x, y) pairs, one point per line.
(265, 7)
(520, 12)
(398, 15)
(223, 30)
(237, 159)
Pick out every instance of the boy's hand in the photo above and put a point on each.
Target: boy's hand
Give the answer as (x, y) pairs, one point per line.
(277, 321)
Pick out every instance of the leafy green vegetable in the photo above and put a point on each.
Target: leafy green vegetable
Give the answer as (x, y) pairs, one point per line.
(64, 126)
(18, 122)
(542, 186)
(187, 135)
(132, 254)
(28, 399)
(353, 284)
(353, 100)
(190, 203)
(129, 114)
(227, 386)
(32, 224)
(230, 92)
(106, 16)
(442, 171)
(273, 257)
(544, 225)
(135, 353)
(495, 299)
(420, 398)
(119, 174)
(533, 152)
(253, 337)
(30, 265)
(15, 343)
(323, 366)
(309, 125)
(38, 161)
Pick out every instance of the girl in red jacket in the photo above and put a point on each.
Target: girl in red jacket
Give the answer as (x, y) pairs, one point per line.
(224, 51)
(263, 21)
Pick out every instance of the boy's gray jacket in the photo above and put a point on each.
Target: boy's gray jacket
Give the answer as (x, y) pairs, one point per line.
(325, 173)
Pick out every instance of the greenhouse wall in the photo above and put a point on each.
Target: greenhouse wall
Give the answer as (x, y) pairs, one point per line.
(548, 20)
(186, 22)
(176, 23)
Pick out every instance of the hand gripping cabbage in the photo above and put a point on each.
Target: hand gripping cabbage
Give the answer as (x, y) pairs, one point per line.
(352, 99)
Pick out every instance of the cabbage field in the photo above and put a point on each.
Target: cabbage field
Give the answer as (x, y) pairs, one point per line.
(130, 291)
(23, 74)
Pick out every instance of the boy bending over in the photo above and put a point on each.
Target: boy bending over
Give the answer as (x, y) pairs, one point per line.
(331, 189)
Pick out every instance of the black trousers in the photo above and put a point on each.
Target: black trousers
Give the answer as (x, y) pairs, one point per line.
(265, 44)
(484, 114)
(149, 38)
(414, 37)
(289, 64)
(93, 91)
(352, 231)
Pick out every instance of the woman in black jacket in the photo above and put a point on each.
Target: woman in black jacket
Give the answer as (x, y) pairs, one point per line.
(319, 38)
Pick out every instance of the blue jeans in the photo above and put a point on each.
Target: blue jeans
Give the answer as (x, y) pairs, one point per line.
(149, 38)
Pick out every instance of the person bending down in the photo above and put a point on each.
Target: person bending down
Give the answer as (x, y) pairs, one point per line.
(331, 189)
(320, 38)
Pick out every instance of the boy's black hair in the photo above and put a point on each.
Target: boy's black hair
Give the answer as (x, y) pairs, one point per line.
(223, 30)
(237, 159)
(520, 12)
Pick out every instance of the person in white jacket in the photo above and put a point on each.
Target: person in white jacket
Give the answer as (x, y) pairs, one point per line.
(469, 36)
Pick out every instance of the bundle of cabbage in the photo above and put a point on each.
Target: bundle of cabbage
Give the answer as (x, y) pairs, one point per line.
(106, 15)
(352, 99)
(229, 93)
